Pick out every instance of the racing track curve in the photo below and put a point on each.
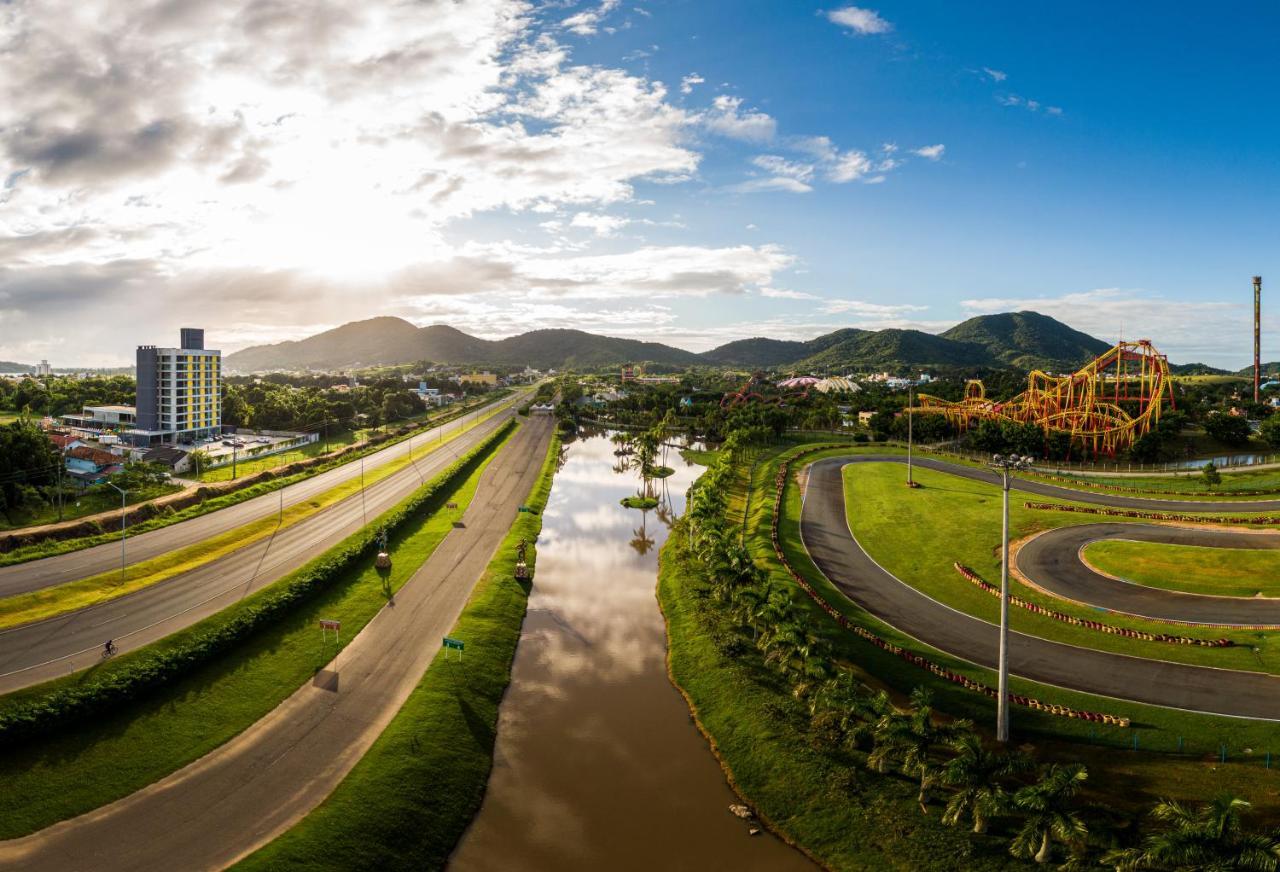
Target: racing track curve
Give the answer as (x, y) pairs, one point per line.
(825, 533)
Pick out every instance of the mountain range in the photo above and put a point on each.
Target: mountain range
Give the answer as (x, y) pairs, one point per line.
(1021, 340)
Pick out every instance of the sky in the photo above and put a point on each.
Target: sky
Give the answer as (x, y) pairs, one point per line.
(686, 171)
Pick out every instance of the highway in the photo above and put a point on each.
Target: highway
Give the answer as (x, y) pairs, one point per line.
(826, 535)
(40, 651)
(37, 574)
(243, 794)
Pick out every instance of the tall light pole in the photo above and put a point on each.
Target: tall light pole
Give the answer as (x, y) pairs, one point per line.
(910, 421)
(363, 510)
(123, 531)
(1007, 464)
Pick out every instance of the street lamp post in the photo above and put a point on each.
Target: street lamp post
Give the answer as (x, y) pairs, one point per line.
(1007, 464)
(123, 530)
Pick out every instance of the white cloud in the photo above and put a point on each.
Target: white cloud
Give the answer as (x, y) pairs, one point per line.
(995, 75)
(848, 167)
(600, 224)
(873, 310)
(687, 83)
(931, 152)
(859, 20)
(783, 294)
(726, 119)
(587, 22)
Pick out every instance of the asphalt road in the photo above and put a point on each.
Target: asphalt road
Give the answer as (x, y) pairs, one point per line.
(240, 796)
(826, 535)
(41, 651)
(37, 574)
(1052, 561)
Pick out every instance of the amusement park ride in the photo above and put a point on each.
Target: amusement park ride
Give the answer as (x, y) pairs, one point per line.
(1085, 404)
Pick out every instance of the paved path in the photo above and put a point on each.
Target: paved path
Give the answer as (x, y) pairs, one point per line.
(37, 574)
(825, 532)
(1052, 561)
(240, 796)
(48, 649)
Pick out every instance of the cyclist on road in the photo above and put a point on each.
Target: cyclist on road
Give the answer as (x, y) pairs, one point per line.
(109, 648)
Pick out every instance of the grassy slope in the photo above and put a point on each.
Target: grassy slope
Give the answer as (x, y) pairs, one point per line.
(50, 601)
(1190, 568)
(917, 536)
(408, 801)
(74, 507)
(87, 766)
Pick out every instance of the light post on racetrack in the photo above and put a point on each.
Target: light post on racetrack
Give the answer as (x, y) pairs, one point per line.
(1006, 464)
(910, 420)
(123, 530)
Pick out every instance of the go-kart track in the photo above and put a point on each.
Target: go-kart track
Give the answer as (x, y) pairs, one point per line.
(47, 649)
(1052, 561)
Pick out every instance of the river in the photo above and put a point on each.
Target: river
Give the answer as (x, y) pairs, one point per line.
(598, 763)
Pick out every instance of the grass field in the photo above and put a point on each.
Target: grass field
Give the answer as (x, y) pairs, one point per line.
(1189, 568)
(918, 535)
(51, 601)
(89, 765)
(1191, 773)
(75, 507)
(408, 801)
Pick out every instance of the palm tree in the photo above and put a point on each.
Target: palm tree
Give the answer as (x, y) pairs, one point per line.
(1209, 837)
(1050, 817)
(911, 739)
(976, 773)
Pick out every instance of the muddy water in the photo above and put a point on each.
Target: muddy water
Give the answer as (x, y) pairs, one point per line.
(598, 764)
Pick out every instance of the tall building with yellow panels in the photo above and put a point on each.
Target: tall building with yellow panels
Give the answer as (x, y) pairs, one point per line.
(179, 389)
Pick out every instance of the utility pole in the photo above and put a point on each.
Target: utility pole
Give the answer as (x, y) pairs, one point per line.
(363, 511)
(1257, 339)
(1006, 464)
(233, 460)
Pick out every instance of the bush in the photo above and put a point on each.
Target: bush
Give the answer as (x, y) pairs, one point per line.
(1228, 429)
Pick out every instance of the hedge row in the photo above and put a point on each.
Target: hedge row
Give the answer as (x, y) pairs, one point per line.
(1269, 520)
(146, 671)
(168, 505)
(885, 645)
(1035, 608)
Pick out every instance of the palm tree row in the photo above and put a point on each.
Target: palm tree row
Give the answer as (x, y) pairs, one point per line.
(939, 754)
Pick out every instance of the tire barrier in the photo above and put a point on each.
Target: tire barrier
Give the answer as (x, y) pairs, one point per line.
(780, 482)
(1036, 608)
(1119, 488)
(1257, 520)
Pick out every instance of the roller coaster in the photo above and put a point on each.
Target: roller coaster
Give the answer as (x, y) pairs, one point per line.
(1085, 404)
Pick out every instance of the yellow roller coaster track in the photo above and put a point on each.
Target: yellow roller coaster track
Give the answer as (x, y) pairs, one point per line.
(1086, 404)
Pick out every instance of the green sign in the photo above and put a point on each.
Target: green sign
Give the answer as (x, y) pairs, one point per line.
(525, 509)
(453, 643)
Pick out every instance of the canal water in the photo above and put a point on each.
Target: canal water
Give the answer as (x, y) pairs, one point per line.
(598, 764)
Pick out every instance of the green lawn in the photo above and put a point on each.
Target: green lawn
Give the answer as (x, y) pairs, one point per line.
(93, 763)
(1189, 568)
(917, 535)
(409, 799)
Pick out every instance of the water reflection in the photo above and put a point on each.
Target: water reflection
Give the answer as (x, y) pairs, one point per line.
(598, 764)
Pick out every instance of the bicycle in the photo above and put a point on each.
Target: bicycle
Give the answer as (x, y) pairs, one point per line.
(108, 649)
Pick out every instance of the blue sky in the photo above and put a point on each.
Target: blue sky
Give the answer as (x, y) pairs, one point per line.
(691, 172)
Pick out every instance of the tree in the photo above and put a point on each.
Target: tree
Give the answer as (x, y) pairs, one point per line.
(1270, 430)
(1209, 837)
(975, 772)
(27, 459)
(911, 740)
(1210, 476)
(200, 461)
(1050, 817)
(1230, 430)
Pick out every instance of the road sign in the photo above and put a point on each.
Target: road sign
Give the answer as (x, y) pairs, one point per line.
(326, 626)
(525, 509)
(455, 644)
(451, 505)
